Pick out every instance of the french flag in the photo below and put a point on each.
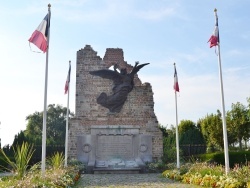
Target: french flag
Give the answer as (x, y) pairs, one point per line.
(176, 85)
(66, 88)
(39, 36)
(215, 39)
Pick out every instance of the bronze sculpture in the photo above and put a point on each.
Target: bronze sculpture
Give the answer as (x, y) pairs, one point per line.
(123, 84)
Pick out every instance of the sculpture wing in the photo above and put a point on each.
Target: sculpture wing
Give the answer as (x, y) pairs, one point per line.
(137, 68)
(108, 74)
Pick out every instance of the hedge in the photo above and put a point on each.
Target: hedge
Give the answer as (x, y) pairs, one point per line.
(240, 157)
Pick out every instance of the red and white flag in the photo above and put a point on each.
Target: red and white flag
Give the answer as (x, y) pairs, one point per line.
(66, 88)
(39, 36)
(215, 39)
(176, 85)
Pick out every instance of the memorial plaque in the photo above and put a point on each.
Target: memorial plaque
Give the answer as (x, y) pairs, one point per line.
(114, 146)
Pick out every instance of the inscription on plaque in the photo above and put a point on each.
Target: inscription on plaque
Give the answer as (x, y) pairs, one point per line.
(114, 146)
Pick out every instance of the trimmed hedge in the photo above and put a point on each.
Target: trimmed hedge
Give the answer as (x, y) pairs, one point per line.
(240, 157)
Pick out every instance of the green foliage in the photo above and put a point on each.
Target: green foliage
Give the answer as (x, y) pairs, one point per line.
(238, 127)
(77, 165)
(57, 160)
(211, 128)
(238, 123)
(234, 158)
(53, 177)
(207, 168)
(155, 167)
(163, 130)
(238, 158)
(170, 154)
(170, 140)
(169, 144)
(19, 139)
(57, 178)
(185, 125)
(34, 128)
(22, 156)
(211, 175)
(172, 174)
(56, 121)
(3, 164)
(189, 133)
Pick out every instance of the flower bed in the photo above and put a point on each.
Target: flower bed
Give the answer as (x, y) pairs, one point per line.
(207, 175)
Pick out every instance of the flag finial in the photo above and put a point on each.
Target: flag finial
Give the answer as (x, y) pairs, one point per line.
(215, 10)
(49, 5)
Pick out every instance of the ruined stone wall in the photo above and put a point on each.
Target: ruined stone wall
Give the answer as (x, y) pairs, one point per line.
(138, 110)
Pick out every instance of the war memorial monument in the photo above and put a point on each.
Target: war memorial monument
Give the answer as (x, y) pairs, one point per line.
(115, 129)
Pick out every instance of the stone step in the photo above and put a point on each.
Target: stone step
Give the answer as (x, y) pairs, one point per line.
(117, 170)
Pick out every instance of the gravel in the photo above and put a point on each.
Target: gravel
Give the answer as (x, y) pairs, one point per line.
(152, 180)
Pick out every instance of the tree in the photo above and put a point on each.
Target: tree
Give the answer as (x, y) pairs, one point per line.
(238, 123)
(34, 128)
(56, 121)
(169, 144)
(191, 140)
(19, 139)
(211, 128)
(190, 133)
(185, 125)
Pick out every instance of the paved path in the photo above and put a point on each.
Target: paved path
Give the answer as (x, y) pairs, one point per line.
(152, 180)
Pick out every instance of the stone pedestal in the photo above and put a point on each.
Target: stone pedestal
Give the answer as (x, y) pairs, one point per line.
(114, 148)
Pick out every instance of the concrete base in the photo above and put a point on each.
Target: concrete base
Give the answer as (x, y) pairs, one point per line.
(114, 148)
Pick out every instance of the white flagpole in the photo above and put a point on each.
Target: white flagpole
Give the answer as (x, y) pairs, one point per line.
(227, 168)
(67, 127)
(45, 102)
(177, 134)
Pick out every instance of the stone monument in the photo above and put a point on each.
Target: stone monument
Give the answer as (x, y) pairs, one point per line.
(107, 139)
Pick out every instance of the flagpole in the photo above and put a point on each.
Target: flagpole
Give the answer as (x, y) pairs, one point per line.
(227, 168)
(177, 134)
(67, 127)
(45, 103)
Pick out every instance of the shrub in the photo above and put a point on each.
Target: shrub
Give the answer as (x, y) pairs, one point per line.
(155, 167)
(53, 177)
(22, 156)
(57, 160)
(235, 158)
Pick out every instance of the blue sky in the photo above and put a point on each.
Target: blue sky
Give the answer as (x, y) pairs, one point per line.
(158, 32)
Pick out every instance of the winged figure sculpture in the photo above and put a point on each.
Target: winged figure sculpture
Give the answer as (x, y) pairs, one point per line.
(123, 84)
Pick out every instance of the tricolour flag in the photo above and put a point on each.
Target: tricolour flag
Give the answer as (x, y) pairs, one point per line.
(215, 39)
(176, 85)
(39, 36)
(66, 88)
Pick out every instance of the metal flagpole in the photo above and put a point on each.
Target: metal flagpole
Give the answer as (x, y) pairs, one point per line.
(227, 169)
(67, 124)
(45, 102)
(177, 134)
